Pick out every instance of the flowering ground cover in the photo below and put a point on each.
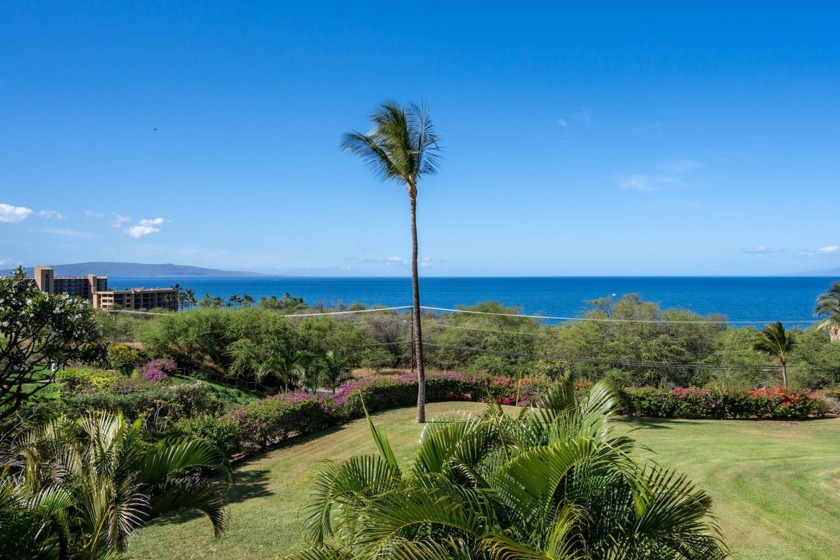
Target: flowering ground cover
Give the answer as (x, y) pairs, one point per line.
(775, 485)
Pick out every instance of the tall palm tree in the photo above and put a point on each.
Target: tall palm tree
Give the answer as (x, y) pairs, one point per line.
(777, 342)
(402, 146)
(554, 482)
(828, 305)
(88, 484)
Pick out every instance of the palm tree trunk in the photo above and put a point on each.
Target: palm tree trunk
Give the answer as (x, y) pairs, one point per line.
(418, 338)
(784, 374)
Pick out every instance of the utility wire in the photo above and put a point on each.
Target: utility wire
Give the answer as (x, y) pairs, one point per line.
(608, 319)
(613, 361)
(512, 315)
(290, 315)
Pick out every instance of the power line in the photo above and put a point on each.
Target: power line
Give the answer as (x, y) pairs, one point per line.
(515, 316)
(618, 362)
(609, 319)
(290, 315)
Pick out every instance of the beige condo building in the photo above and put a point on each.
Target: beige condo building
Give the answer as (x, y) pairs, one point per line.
(95, 289)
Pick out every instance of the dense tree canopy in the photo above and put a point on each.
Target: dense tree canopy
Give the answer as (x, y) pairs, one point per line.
(38, 333)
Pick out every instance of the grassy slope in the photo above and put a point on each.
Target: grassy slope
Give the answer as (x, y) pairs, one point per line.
(775, 485)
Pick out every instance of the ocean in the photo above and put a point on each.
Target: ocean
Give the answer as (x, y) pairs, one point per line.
(740, 299)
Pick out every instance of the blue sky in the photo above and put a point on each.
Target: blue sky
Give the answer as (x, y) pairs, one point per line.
(579, 140)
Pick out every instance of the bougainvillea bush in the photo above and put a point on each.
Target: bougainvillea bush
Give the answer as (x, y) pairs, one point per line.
(697, 402)
(157, 370)
(273, 420)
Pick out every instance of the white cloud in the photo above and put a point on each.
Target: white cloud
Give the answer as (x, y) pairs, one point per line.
(13, 214)
(759, 250)
(144, 227)
(563, 122)
(670, 173)
(68, 232)
(51, 214)
(90, 214)
(120, 221)
(636, 182)
(822, 251)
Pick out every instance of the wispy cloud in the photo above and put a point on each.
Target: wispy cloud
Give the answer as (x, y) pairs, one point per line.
(91, 215)
(636, 182)
(13, 214)
(119, 221)
(388, 261)
(68, 232)
(669, 173)
(144, 227)
(760, 250)
(51, 214)
(828, 250)
(581, 118)
(395, 261)
(680, 166)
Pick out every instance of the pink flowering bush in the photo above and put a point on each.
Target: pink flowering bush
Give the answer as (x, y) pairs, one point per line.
(273, 420)
(158, 370)
(696, 402)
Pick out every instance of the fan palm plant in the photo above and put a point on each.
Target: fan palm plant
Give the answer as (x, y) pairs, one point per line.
(403, 146)
(553, 482)
(777, 342)
(89, 484)
(828, 306)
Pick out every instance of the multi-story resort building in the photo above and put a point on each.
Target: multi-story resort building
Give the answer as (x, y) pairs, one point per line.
(95, 289)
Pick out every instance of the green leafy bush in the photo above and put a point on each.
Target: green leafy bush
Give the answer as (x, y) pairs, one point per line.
(156, 405)
(694, 402)
(81, 381)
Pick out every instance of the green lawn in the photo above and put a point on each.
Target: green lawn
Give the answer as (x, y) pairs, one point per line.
(776, 485)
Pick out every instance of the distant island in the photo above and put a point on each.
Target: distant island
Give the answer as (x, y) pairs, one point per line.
(141, 270)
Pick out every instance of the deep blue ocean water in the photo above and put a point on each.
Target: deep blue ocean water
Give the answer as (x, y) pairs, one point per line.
(788, 299)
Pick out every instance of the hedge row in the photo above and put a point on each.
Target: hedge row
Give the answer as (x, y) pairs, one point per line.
(157, 405)
(256, 425)
(694, 402)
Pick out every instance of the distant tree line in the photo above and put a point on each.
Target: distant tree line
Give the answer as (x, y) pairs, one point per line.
(626, 340)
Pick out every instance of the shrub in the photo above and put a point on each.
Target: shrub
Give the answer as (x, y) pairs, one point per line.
(123, 358)
(157, 370)
(86, 381)
(158, 405)
(254, 426)
(696, 402)
(224, 431)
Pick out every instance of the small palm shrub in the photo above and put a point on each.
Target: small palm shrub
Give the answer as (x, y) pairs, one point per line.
(553, 481)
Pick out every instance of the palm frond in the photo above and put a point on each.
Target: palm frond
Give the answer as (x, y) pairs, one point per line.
(177, 456)
(202, 495)
(381, 441)
(346, 485)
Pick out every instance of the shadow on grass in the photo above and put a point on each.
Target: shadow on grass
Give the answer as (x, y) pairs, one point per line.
(247, 485)
(656, 423)
(257, 456)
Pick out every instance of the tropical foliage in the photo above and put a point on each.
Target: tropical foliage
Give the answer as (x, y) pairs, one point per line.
(778, 342)
(38, 333)
(828, 307)
(79, 488)
(553, 482)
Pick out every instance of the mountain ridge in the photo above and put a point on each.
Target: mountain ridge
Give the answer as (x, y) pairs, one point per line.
(143, 270)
